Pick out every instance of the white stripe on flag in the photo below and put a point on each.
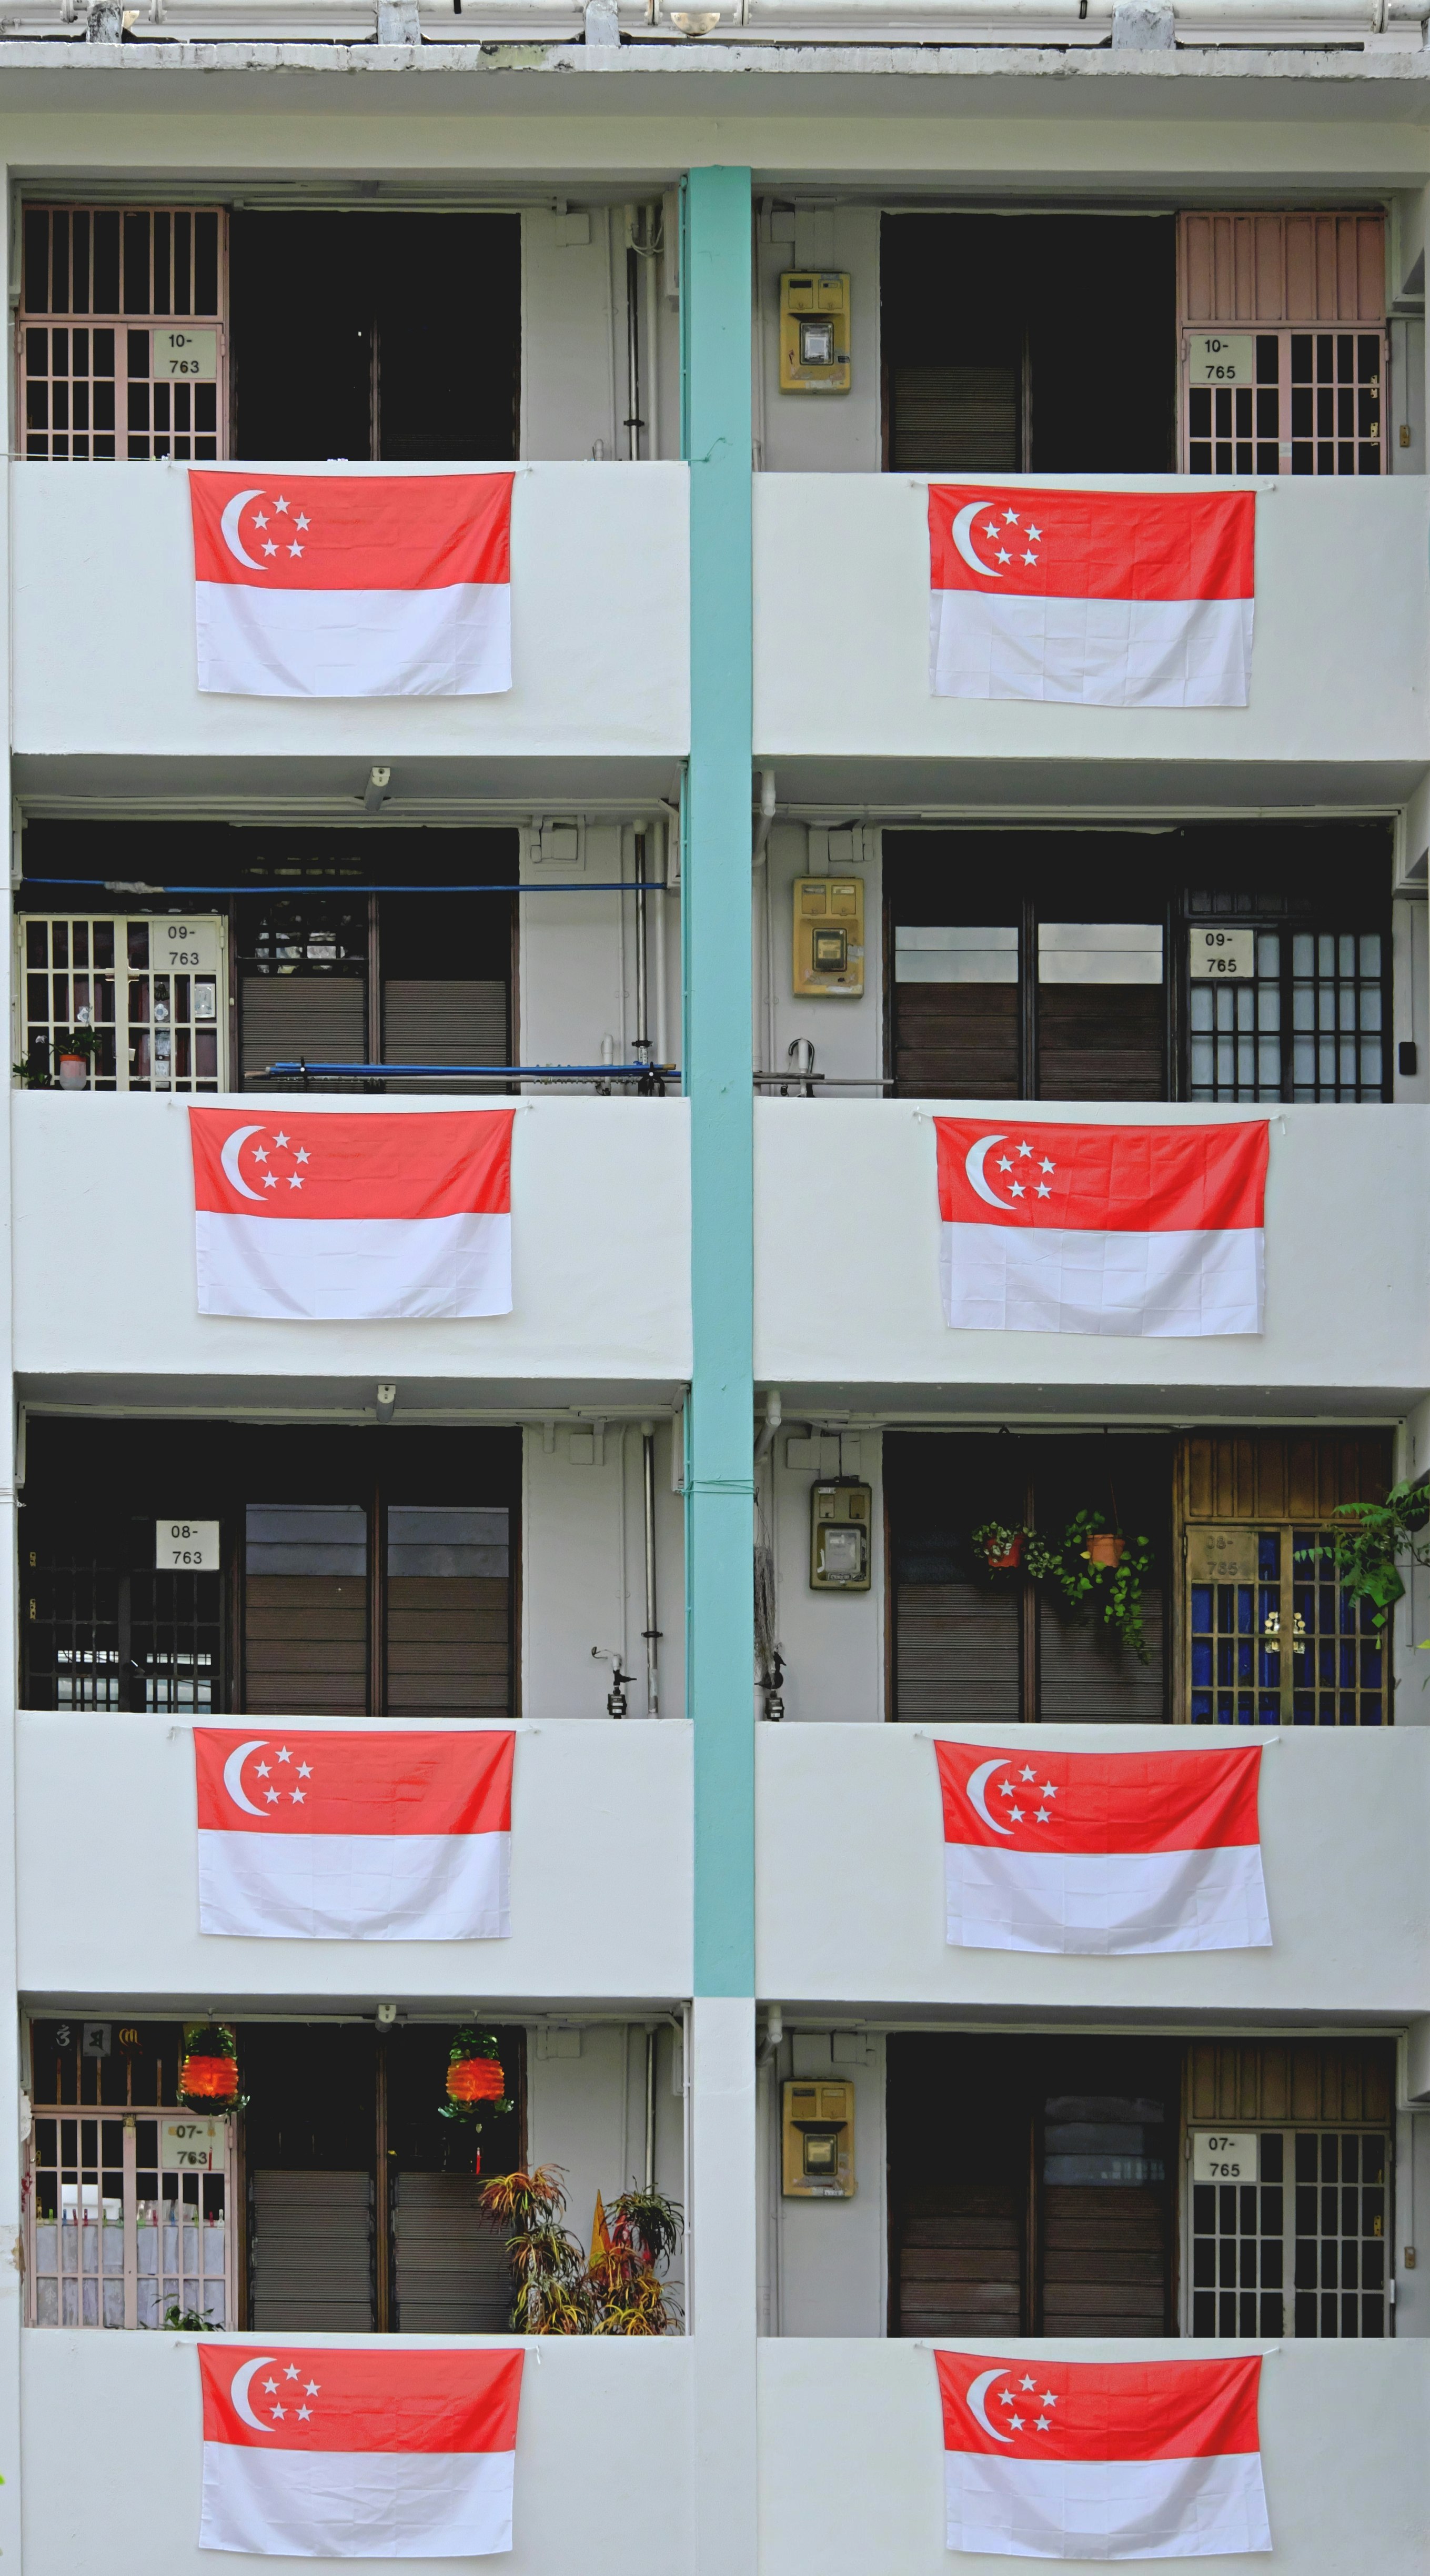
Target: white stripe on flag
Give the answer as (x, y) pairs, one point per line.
(1091, 652)
(365, 1267)
(355, 1887)
(453, 643)
(1073, 1279)
(1106, 2509)
(356, 2504)
(1106, 1904)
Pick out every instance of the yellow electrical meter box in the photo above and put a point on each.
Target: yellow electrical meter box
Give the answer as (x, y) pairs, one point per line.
(818, 2142)
(814, 332)
(828, 936)
(840, 1516)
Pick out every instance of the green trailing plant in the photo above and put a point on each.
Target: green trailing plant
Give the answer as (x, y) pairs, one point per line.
(555, 2288)
(1112, 1593)
(1001, 1548)
(1366, 1541)
(188, 2321)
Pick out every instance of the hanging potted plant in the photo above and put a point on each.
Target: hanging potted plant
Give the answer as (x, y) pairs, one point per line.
(208, 2068)
(1101, 1570)
(1001, 1548)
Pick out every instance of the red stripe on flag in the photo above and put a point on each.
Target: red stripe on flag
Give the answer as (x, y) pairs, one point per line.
(1107, 1180)
(351, 531)
(404, 1782)
(304, 1162)
(372, 2400)
(1011, 541)
(1099, 1802)
(1098, 2410)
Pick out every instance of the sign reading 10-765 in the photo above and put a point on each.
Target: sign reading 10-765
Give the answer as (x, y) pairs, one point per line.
(187, 1547)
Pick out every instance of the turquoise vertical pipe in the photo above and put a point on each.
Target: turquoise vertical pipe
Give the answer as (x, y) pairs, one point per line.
(715, 419)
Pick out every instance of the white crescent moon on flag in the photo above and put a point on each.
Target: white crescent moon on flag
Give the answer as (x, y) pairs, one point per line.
(240, 1136)
(976, 1784)
(238, 2392)
(972, 1164)
(231, 1770)
(962, 538)
(973, 2398)
(228, 527)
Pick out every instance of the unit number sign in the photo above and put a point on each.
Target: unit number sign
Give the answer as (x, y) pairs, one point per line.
(186, 357)
(193, 2146)
(1223, 358)
(187, 1547)
(1221, 2155)
(1230, 954)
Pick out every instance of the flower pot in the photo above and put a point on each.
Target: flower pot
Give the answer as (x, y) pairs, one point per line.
(1012, 1556)
(74, 1072)
(1104, 1547)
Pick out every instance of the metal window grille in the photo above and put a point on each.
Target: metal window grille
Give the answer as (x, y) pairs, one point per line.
(156, 992)
(1308, 1025)
(1305, 295)
(96, 1638)
(1289, 1650)
(121, 338)
(112, 2240)
(1302, 2251)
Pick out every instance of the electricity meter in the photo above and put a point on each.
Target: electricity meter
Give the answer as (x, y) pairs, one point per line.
(818, 2142)
(814, 332)
(828, 936)
(840, 1517)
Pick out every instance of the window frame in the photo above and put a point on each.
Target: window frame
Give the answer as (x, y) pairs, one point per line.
(192, 445)
(1290, 2238)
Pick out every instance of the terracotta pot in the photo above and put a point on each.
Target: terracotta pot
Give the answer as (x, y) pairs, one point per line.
(1104, 1547)
(1014, 1557)
(74, 1072)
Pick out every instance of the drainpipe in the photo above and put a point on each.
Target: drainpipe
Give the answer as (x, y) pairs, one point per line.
(650, 1632)
(640, 1044)
(767, 816)
(650, 2039)
(770, 1425)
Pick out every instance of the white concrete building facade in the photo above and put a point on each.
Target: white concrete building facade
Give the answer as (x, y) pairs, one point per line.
(1141, 246)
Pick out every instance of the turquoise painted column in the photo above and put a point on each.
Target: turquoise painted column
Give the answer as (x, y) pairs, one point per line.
(715, 320)
(715, 309)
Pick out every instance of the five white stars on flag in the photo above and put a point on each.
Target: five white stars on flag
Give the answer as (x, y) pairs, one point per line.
(1016, 2422)
(1017, 1815)
(300, 1155)
(263, 1771)
(1019, 1189)
(299, 521)
(993, 532)
(309, 2388)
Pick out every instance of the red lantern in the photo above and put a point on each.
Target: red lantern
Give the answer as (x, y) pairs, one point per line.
(209, 2079)
(475, 2079)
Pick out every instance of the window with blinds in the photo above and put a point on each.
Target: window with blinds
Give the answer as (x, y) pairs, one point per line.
(1284, 352)
(972, 1647)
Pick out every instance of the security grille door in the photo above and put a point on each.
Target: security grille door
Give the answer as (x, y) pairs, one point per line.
(122, 332)
(1281, 1009)
(1303, 2248)
(1283, 344)
(155, 992)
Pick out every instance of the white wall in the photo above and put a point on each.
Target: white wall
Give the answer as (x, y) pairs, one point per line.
(830, 2258)
(846, 1267)
(600, 629)
(113, 2453)
(819, 433)
(586, 2114)
(841, 638)
(583, 1568)
(108, 1889)
(851, 2457)
(847, 1032)
(568, 325)
(105, 1268)
(850, 1881)
(832, 1642)
(577, 972)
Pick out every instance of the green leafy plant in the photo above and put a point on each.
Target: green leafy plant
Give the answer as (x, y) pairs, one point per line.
(34, 1071)
(1371, 1537)
(556, 2289)
(997, 1545)
(188, 2321)
(1112, 1593)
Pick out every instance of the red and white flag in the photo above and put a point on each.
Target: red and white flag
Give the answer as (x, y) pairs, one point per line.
(1103, 1854)
(1158, 1231)
(352, 585)
(1096, 599)
(394, 1835)
(373, 2453)
(1102, 2459)
(313, 1213)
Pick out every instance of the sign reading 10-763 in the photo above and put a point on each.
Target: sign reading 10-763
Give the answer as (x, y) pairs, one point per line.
(187, 1547)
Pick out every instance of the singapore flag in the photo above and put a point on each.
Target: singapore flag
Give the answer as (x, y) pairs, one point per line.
(318, 1213)
(379, 1834)
(352, 585)
(1155, 1231)
(1102, 2459)
(370, 2452)
(1096, 599)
